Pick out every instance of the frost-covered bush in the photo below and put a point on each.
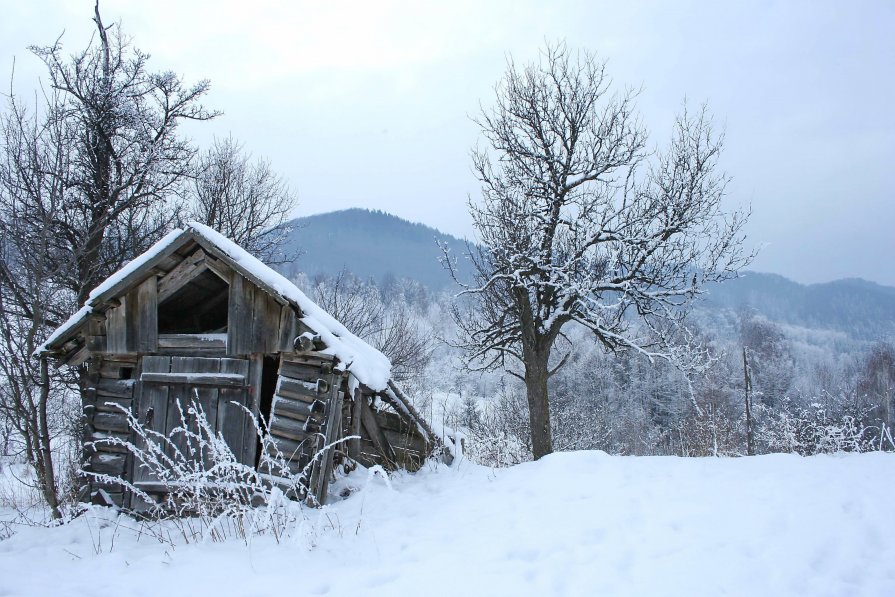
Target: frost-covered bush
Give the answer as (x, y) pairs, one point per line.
(815, 429)
(207, 492)
(495, 433)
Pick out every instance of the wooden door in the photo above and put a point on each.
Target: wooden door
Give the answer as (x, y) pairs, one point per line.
(218, 386)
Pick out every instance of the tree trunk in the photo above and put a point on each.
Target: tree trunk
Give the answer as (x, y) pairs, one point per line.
(538, 402)
(45, 469)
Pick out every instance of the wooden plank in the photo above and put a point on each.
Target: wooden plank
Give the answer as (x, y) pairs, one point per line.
(234, 424)
(197, 341)
(289, 449)
(125, 360)
(354, 427)
(315, 359)
(78, 357)
(131, 314)
(97, 343)
(116, 388)
(147, 316)
(306, 391)
(103, 436)
(207, 398)
(110, 370)
(235, 314)
(375, 432)
(151, 408)
(180, 276)
(116, 328)
(287, 331)
(111, 405)
(266, 325)
(299, 371)
(296, 409)
(178, 399)
(96, 325)
(239, 315)
(323, 468)
(108, 421)
(197, 378)
(218, 268)
(290, 429)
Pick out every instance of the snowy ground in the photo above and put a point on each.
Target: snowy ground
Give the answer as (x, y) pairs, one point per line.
(572, 524)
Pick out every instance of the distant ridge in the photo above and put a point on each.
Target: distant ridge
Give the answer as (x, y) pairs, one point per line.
(860, 308)
(373, 244)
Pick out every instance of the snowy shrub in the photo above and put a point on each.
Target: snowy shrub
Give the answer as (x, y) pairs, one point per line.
(814, 429)
(207, 492)
(496, 433)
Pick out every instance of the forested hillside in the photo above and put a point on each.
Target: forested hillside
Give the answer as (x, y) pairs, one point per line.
(376, 245)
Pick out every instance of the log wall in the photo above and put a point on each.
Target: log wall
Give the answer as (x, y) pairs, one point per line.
(110, 384)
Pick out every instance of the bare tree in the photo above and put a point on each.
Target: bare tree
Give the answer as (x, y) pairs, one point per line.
(126, 163)
(243, 199)
(578, 227)
(89, 178)
(388, 326)
(31, 195)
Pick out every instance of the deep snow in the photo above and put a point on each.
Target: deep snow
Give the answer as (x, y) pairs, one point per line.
(580, 523)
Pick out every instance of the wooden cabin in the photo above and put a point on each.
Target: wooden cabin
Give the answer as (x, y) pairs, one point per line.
(198, 317)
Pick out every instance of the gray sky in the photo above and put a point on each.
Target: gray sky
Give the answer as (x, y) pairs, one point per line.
(366, 103)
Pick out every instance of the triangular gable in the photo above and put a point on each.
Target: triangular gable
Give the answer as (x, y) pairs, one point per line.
(367, 364)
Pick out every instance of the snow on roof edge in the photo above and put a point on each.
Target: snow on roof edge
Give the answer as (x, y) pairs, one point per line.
(370, 366)
(80, 316)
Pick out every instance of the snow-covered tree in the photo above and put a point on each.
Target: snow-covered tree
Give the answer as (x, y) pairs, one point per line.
(89, 178)
(126, 162)
(579, 225)
(242, 198)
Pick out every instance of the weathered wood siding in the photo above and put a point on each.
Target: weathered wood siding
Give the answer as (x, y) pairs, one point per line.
(106, 401)
(132, 325)
(300, 411)
(257, 323)
(221, 387)
(386, 438)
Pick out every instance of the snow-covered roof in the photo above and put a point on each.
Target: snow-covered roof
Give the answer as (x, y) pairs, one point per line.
(368, 365)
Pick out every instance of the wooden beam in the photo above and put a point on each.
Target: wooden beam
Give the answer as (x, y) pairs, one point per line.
(355, 424)
(200, 341)
(306, 391)
(180, 276)
(375, 432)
(332, 431)
(218, 268)
(231, 380)
(143, 272)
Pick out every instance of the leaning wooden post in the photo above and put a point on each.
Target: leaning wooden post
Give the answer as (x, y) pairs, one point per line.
(750, 441)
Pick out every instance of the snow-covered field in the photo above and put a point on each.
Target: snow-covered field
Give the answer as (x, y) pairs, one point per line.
(580, 523)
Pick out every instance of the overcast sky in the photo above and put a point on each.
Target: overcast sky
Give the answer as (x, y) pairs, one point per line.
(367, 104)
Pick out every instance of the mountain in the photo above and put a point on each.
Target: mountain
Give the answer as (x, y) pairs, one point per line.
(373, 244)
(861, 309)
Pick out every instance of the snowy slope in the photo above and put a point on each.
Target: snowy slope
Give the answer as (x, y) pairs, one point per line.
(579, 523)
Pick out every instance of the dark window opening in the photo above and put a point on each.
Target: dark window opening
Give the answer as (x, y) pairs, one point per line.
(200, 307)
(126, 372)
(269, 375)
